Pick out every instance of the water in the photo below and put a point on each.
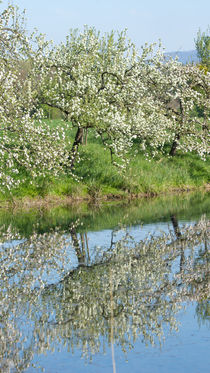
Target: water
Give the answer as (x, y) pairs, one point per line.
(117, 287)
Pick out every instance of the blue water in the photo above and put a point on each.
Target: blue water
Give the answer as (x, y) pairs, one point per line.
(186, 349)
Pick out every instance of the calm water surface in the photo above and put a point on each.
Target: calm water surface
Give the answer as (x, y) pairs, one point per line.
(117, 287)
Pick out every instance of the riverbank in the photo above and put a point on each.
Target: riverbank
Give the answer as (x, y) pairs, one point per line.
(50, 201)
(96, 178)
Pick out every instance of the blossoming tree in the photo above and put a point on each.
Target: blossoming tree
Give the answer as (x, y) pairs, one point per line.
(102, 82)
(99, 82)
(26, 146)
(180, 89)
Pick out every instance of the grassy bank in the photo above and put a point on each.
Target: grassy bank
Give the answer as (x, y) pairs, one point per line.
(99, 178)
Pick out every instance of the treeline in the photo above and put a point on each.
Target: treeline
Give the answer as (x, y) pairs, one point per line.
(93, 82)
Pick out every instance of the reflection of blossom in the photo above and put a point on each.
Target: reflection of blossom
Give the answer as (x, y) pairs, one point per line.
(132, 291)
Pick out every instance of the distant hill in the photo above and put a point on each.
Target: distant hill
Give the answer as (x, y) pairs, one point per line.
(185, 56)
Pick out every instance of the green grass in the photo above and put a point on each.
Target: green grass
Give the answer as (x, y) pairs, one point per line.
(98, 177)
(179, 172)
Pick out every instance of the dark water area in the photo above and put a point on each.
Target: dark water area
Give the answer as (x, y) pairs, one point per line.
(113, 287)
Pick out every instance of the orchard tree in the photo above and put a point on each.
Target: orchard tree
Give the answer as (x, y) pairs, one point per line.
(26, 146)
(98, 82)
(102, 82)
(178, 89)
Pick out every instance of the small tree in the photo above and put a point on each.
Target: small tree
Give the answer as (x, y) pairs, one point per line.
(202, 43)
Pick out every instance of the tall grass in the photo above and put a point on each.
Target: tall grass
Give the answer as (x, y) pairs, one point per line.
(98, 176)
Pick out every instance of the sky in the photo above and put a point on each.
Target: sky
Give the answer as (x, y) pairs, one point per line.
(175, 23)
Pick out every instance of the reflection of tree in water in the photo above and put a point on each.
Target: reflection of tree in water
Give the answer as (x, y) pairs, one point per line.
(132, 291)
(203, 312)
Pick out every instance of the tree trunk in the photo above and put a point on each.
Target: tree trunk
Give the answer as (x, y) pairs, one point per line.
(77, 141)
(86, 135)
(174, 145)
